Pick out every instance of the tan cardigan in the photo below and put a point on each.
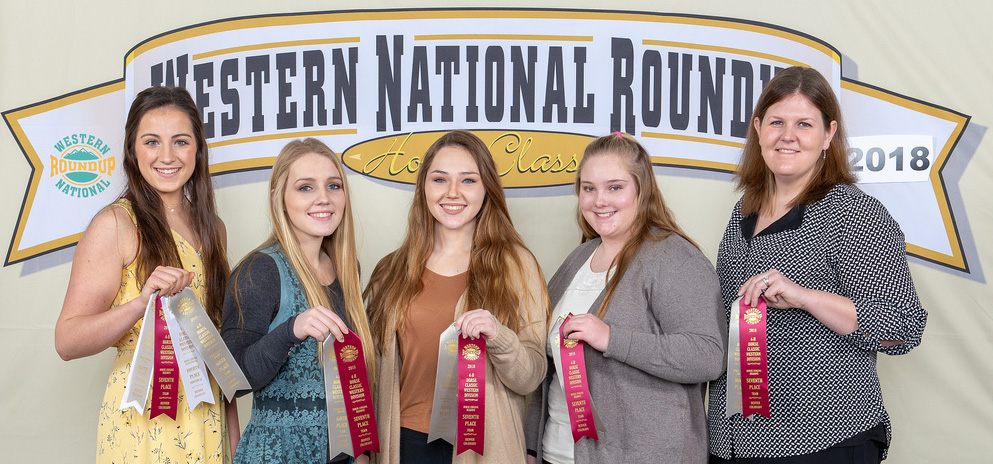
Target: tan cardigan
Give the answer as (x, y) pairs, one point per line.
(515, 366)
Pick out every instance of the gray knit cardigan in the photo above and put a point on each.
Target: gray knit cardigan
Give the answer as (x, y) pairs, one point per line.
(668, 338)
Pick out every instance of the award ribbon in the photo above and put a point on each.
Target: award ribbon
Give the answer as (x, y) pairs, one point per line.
(207, 343)
(165, 385)
(180, 319)
(732, 390)
(346, 368)
(472, 395)
(754, 367)
(339, 434)
(140, 375)
(446, 380)
(576, 385)
(192, 371)
(458, 410)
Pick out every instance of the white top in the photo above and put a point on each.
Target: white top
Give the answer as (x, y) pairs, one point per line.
(582, 292)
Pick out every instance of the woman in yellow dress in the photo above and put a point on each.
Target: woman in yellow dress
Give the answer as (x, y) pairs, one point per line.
(161, 235)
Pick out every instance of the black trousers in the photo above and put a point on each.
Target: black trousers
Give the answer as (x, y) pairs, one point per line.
(415, 449)
(868, 452)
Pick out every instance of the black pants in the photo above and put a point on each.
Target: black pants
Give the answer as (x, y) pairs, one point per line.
(415, 449)
(868, 452)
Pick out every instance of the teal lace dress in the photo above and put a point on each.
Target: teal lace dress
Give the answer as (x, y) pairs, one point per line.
(289, 413)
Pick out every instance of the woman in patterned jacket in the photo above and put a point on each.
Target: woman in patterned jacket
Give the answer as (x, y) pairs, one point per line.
(299, 288)
(830, 263)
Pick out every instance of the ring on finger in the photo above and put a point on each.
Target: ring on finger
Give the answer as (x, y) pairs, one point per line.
(766, 281)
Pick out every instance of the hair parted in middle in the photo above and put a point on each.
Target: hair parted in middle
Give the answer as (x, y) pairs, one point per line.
(156, 245)
(339, 246)
(755, 179)
(653, 220)
(494, 264)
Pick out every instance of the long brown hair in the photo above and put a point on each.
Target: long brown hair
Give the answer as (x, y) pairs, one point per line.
(494, 263)
(755, 179)
(653, 221)
(156, 246)
(339, 246)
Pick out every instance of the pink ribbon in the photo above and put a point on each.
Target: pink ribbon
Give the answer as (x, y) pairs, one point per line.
(472, 395)
(165, 384)
(357, 394)
(754, 359)
(576, 385)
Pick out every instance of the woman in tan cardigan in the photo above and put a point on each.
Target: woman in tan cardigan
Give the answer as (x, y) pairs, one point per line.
(461, 261)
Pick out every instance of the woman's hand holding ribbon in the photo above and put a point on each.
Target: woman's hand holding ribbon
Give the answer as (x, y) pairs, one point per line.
(589, 329)
(166, 280)
(476, 323)
(320, 323)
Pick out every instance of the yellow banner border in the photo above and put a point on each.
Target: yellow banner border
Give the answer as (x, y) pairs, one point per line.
(13, 119)
(957, 259)
(293, 19)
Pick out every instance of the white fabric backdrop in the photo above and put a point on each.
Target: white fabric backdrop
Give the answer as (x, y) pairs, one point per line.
(940, 396)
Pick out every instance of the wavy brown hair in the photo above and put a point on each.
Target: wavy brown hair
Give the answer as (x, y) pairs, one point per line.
(756, 181)
(494, 263)
(156, 246)
(653, 219)
(339, 246)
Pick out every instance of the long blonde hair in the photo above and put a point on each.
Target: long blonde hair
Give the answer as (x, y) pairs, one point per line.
(653, 221)
(494, 262)
(339, 246)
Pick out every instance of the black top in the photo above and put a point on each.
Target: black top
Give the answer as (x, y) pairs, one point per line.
(259, 351)
(823, 387)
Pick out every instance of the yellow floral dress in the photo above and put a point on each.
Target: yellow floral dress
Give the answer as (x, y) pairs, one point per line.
(197, 436)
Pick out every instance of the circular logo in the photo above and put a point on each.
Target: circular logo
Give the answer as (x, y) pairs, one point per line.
(83, 166)
(753, 315)
(349, 353)
(471, 352)
(185, 306)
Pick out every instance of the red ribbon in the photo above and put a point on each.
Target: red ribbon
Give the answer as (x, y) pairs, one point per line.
(754, 367)
(165, 384)
(577, 390)
(358, 396)
(472, 395)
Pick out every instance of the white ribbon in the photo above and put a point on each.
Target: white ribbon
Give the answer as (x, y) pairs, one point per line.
(339, 435)
(140, 374)
(191, 367)
(445, 403)
(184, 317)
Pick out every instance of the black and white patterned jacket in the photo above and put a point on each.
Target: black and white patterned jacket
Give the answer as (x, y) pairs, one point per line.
(823, 386)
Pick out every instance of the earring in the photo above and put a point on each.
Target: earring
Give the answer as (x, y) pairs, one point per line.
(824, 154)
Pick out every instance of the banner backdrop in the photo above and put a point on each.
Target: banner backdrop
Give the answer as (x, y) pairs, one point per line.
(386, 83)
(377, 86)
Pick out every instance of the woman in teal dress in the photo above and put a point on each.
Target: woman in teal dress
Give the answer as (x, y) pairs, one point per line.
(297, 289)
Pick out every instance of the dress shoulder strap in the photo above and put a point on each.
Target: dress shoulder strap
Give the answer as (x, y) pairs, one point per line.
(125, 204)
(292, 298)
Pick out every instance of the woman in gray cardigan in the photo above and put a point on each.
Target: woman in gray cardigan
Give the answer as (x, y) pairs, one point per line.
(647, 305)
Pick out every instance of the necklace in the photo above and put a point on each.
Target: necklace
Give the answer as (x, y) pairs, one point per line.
(172, 209)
